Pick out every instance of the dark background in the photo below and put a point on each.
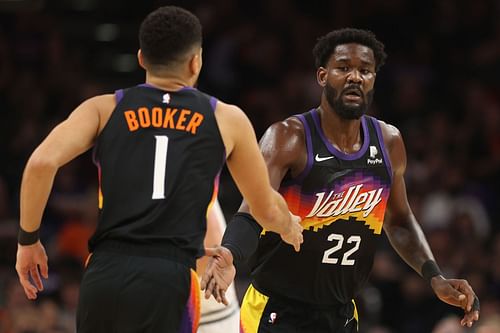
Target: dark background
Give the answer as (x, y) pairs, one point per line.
(439, 87)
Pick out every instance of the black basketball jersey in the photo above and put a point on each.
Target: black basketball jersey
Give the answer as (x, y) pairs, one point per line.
(341, 199)
(158, 160)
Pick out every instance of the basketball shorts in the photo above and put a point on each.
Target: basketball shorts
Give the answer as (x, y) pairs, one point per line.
(264, 314)
(132, 294)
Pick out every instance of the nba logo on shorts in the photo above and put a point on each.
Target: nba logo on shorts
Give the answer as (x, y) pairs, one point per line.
(272, 317)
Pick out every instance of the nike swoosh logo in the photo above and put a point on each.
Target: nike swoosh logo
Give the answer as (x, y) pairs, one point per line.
(317, 158)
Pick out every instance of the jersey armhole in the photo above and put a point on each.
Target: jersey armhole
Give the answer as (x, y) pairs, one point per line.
(95, 149)
(213, 103)
(118, 96)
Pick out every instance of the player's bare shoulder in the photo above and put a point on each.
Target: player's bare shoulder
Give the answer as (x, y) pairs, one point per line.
(228, 114)
(284, 141)
(233, 125)
(395, 145)
(390, 133)
(285, 135)
(103, 105)
(101, 102)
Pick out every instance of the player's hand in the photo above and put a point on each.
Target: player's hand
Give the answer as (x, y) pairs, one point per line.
(458, 293)
(31, 261)
(294, 235)
(219, 273)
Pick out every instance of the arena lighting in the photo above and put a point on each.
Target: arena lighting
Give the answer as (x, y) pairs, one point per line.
(124, 63)
(106, 32)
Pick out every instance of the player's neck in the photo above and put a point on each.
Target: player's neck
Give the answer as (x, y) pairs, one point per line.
(344, 134)
(170, 83)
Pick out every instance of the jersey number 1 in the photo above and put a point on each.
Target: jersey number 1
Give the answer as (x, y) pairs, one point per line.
(160, 166)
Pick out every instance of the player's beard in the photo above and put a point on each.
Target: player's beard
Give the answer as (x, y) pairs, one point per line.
(347, 111)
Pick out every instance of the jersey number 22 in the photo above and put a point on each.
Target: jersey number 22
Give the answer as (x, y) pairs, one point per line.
(327, 256)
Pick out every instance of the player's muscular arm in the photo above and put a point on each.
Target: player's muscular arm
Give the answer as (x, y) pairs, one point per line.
(409, 241)
(283, 148)
(400, 224)
(67, 140)
(249, 171)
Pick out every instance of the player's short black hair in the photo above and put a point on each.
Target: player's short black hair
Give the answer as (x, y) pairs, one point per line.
(167, 34)
(325, 46)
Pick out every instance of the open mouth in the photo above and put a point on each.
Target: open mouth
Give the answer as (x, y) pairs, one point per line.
(353, 95)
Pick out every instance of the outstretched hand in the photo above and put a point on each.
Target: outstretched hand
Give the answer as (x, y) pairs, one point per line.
(219, 273)
(30, 264)
(458, 293)
(294, 235)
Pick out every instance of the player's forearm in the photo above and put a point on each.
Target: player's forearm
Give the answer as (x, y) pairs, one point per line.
(36, 185)
(409, 241)
(242, 236)
(274, 214)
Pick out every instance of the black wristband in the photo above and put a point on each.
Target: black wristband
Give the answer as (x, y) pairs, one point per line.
(475, 305)
(429, 270)
(242, 236)
(28, 238)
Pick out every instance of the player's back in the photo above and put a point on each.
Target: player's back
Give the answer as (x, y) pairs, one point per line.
(158, 159)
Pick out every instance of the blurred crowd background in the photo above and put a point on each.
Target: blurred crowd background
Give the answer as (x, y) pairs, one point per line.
(440, 87)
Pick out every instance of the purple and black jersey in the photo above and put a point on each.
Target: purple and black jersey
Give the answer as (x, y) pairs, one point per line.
(342, 200)
(158, 159)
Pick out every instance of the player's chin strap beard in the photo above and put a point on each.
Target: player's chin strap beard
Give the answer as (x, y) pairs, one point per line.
(344, 111)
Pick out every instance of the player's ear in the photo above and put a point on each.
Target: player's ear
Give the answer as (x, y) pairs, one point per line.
(322, 76)
(196, 62)
(140, 59)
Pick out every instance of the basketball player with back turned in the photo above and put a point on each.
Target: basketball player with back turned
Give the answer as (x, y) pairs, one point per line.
(159, 148)
(342, 172)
